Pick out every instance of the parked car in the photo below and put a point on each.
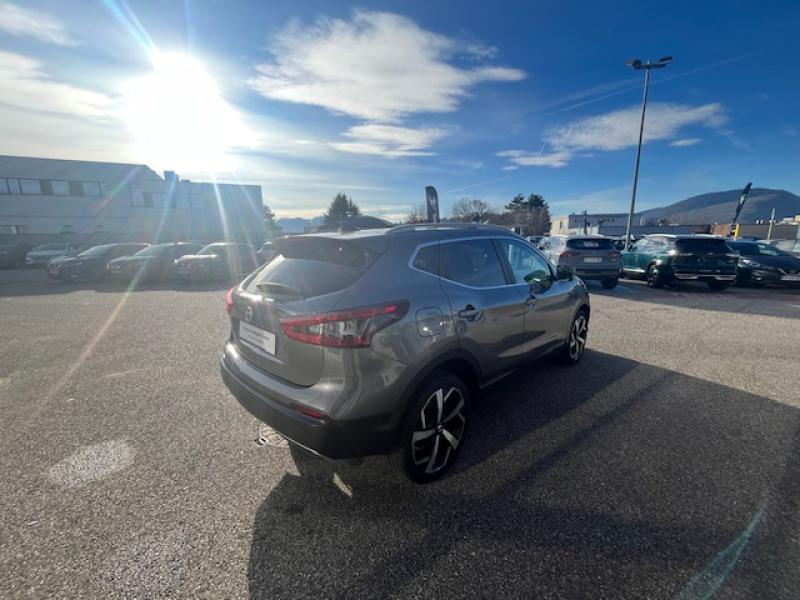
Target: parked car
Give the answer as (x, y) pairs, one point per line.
(90, 265)
(536, 240)
(13, 255)
(376, 342)
(41, 254)
(790, 246)
(762, 263)
(661, 259)
(222, 260)
(154, 263)
(266, 253)
(54, 265)
(593, 257)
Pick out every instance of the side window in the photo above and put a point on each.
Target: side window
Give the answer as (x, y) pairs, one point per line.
(471, 262)
(427, 259)
(527, 265)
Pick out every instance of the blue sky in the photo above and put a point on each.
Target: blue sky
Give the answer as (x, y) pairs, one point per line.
(380, 99)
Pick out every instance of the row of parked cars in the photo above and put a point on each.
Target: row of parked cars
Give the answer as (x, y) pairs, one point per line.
(125, 261)
(661, 259)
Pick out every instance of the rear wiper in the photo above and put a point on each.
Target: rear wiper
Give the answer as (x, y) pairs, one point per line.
(278, 289)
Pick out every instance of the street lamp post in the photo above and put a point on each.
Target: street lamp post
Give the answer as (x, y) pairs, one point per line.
(638, 65)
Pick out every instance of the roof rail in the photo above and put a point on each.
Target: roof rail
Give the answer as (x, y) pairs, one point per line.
(445, 226)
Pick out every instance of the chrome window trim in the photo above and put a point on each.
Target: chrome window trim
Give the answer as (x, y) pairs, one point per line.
(491, 238)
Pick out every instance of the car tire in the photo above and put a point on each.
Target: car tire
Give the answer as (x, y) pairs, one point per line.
(654, 277)
(575, 345)
(609, 284)
(718, 286)
(435, 429)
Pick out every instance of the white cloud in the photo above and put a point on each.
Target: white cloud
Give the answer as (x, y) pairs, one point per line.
(389, 140)
(618, 129)
(685, 142)
(26, 86)
(530, 159)
(24, 22)
(378, 67)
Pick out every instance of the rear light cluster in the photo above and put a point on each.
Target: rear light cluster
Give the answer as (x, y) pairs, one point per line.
(229, 300)
(614, 255)
(568, 253)
(346, 328)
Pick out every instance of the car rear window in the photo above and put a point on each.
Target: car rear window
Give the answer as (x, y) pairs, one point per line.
(312, 266)
(590, 244)
(702, 246)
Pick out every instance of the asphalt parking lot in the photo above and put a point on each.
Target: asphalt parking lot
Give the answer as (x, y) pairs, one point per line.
(666, 465)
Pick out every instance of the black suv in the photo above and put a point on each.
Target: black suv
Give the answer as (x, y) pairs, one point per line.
(662, 259)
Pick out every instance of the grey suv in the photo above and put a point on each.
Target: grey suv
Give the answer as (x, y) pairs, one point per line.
(375, 342)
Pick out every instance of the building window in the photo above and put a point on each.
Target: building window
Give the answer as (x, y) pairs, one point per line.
(13, 186)
(30, 187)
(75, 188)
(3, 185)
(46, 187)
(60, 188)
(91, 189)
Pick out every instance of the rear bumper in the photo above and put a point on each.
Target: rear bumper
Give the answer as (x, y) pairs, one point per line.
(595, 274)
(762, 277)
(704, 277)
(354, 438)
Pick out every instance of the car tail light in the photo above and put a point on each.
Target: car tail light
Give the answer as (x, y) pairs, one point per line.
(345, 328)
(731, 259)
(229, 300)
(569, 253)
(614, 255)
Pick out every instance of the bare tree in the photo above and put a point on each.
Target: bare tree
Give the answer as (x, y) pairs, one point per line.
(417, 214)
(468, 210)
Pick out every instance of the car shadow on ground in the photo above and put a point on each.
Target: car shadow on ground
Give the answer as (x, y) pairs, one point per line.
(613, 479)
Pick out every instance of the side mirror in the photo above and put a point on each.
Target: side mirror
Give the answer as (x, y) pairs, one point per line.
(565, 272)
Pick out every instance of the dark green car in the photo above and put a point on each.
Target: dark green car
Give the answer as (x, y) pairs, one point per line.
(662, 259)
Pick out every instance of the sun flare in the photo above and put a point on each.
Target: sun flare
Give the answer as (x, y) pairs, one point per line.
(179, 118)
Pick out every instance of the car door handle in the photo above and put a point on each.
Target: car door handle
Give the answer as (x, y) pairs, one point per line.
(469, 312)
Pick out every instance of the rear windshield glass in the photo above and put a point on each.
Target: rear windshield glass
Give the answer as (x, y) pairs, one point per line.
(96, 250)
(702, 246)
(590, 244)
(310, 267)
(153, 250)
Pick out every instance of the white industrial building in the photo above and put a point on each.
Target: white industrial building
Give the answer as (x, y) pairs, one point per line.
(42, 199)
(613, 224)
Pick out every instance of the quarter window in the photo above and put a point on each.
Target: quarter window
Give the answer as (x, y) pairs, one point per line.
(471, 262)
(427, 259)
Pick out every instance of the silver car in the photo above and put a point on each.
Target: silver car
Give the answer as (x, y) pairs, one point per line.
(594, 257)
(376, 342)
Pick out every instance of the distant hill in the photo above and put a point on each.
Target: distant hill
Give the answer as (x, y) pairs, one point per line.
(718, 207)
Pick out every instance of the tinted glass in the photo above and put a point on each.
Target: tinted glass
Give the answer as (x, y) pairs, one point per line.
(153, 250)
(471, 262)
(210, 249)
(427, 259)
(311, 267)
(744, 249)
(590, 244)
(701, 245)
(527, 265)
(96, 251)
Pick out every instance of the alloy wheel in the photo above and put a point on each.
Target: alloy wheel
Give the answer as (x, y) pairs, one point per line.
(442, 424)
(577, 337)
